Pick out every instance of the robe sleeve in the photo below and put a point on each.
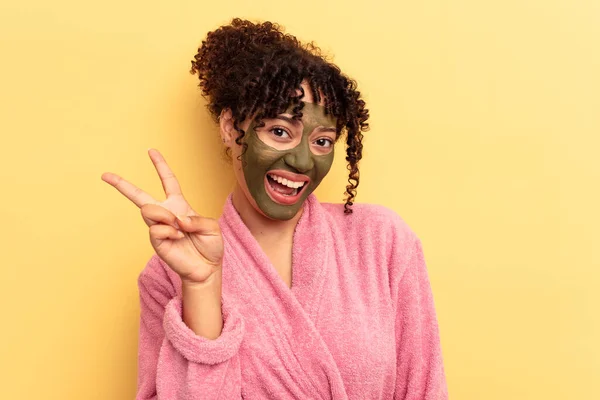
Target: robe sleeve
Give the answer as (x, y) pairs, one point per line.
(419, 365)
(173, 362)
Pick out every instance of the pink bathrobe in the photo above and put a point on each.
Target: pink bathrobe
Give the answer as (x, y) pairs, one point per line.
(358, 323)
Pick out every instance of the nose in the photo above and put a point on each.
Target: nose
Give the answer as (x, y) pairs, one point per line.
(300, 158)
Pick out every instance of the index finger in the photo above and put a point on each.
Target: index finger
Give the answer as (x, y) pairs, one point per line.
(129, 190)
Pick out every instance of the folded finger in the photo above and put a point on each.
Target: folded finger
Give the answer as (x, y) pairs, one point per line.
(154, 214)
(163, 232)
(198, 224)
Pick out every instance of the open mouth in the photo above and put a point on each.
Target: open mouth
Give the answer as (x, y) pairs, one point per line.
(282, 190)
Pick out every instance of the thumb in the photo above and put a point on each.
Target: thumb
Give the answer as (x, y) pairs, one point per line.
(198, 224)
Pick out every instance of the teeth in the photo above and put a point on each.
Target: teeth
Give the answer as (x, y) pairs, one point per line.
(286, 182)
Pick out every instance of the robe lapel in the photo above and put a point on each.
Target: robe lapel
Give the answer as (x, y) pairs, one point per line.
(295, 310)
(311, 254)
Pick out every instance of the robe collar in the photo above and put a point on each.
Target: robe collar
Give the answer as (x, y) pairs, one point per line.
(311, 251)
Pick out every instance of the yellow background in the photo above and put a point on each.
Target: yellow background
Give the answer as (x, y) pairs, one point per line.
(485, 139)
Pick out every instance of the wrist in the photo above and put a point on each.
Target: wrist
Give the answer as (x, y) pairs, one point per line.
(210, 281)
(201, 302)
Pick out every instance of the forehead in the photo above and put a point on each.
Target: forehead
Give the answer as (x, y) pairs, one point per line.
(314, 115)
(308, 95)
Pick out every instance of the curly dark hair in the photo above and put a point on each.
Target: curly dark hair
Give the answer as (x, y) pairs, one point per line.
(255, 70)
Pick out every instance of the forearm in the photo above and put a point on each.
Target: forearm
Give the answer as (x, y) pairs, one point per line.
(201, 303)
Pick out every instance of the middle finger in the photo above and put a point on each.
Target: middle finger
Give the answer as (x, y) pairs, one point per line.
(167, 177)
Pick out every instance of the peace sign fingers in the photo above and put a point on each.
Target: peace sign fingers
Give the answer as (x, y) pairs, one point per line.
(129, 190)
(167, 177)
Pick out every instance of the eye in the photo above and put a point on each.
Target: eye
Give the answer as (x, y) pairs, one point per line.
(279, 132)
(324, 142)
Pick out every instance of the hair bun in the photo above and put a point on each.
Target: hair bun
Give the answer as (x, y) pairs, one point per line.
(233, 53)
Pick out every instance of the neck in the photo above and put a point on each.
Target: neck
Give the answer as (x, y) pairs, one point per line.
(258, 224)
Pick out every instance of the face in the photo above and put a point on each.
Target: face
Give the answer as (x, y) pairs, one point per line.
(286, 159)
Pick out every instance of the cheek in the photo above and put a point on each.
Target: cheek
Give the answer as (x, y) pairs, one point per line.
(323, 164)
(266, 159)
(260, 156)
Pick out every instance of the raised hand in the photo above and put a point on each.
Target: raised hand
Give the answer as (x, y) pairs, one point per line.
(190, 244)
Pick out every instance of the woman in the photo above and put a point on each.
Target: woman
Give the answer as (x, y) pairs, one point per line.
(283, 297)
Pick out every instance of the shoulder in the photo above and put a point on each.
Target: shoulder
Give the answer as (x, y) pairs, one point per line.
(373, 220)
(376, 239)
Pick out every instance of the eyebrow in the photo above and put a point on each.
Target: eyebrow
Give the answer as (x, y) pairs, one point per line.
(297, 122)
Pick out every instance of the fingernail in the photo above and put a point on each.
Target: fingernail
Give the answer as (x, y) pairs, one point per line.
(183, 219)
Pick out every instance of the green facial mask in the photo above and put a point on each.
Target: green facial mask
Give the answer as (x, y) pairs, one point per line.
(260, 158)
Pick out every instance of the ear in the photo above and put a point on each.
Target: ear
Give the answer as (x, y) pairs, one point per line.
(226, 127)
